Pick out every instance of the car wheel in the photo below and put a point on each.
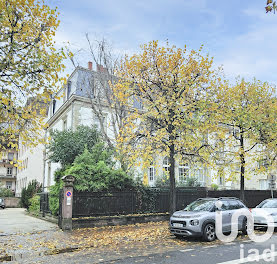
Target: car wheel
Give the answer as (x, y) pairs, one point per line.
(209, 232)
(244, 227)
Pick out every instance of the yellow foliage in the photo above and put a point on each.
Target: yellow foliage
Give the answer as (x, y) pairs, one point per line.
(247, 129)
(29, 69)
(175, 87)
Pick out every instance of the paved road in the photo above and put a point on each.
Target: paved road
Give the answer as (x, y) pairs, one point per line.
(231, 253)
(15, 220)
(205, 254)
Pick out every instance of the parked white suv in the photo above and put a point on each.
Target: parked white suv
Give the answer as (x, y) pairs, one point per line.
(198, 218)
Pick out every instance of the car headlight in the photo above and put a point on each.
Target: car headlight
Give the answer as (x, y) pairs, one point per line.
(194, 222)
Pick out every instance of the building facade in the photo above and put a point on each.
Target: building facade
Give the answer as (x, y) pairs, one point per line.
(8, 171)
(31, 167)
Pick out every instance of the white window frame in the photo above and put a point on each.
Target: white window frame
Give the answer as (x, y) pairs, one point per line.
(9, 171)
(200, 176)
(183, 171)
(166, 166)
(10, 154)
(264, 184)
(151, 174)
(9, 186)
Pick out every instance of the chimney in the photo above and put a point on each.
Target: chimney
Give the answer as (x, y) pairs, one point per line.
(90, 65)
(101, 69)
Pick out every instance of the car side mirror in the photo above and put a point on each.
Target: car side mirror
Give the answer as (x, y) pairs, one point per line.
(214, 209)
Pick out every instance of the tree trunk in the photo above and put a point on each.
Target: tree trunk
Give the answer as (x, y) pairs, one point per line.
(242, 167)
(172, 193)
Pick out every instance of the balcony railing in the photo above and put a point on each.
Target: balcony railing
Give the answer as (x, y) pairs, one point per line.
(7, 176)
(7, 161)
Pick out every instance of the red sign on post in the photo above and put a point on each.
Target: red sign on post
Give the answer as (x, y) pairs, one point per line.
(68, 194)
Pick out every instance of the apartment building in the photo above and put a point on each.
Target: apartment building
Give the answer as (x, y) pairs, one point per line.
(31, 161)
(31, 168)
(8, 171)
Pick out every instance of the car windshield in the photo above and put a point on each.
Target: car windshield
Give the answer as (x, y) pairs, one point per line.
(200, 205)
(268, 204)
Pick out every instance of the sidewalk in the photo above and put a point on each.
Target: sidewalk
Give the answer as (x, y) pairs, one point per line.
(15, 220)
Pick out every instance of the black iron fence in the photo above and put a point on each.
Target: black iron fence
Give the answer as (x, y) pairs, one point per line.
(252, 197)
(87, 204)
(131, 202)
(151, 200)
(44, 203)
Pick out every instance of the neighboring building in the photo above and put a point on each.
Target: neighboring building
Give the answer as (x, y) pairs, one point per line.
(31, 162)
(8, 171)
(31, 167)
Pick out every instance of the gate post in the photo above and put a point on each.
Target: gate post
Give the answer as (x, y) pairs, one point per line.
(67, 202)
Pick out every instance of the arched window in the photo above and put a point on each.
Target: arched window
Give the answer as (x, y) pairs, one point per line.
(166, 166)
(183, 171)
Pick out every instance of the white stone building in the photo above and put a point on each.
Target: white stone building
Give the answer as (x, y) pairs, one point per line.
(31, 168)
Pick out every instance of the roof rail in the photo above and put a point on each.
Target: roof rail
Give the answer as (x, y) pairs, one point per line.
(219, 198)
(233, 198)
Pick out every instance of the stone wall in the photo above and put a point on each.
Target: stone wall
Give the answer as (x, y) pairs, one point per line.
(117, 220)
(12, 202)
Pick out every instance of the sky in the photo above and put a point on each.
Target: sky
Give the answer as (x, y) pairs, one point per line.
(238, 34)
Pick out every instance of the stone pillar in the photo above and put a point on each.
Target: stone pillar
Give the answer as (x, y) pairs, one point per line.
(67, 203)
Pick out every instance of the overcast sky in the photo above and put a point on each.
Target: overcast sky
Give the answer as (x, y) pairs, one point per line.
(238, 34)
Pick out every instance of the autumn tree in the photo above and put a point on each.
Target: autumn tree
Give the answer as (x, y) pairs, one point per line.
(268, 135)
(29, 68)
(270, 6)
(246, 117)
(173, 85)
